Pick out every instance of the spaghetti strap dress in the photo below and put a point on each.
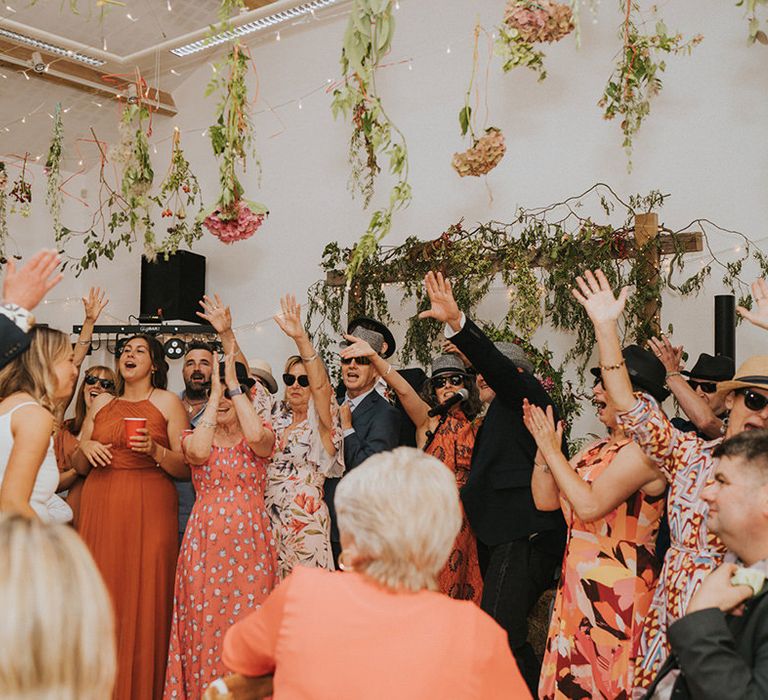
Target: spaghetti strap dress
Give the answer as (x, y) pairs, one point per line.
(129, 520)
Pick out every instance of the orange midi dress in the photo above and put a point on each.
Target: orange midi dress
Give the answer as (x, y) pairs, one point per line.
(64, 446)
(128, 519)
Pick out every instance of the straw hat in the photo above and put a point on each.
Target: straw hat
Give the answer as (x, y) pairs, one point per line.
(263, 370)
(753, 372)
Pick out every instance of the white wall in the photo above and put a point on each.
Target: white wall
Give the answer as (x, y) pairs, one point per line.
(703, 143)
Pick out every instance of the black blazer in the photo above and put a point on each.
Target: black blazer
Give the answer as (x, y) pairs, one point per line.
(497, 496)
(13, 340)
(377, 429)
(722, 657)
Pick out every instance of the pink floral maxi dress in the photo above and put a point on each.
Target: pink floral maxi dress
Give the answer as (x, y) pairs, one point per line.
(294, 495)
(226, 568)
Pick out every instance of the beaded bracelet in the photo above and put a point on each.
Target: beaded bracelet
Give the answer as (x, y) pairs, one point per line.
(309, 359)
(673, 374)
(608, 368)
(206, 424)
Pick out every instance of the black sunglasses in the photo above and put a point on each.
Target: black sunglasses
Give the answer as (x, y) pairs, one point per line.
(106, 384)
(243, 390)
(358, 360)
(453, 380)
(706, 387)
(753, 400)
(291, 379)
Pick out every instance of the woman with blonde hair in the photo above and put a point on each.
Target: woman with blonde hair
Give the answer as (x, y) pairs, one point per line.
(32, 387)
(58, 640)
(380, 630)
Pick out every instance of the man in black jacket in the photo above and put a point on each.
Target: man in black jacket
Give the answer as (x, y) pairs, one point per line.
(525, 545)
(22, 291)
(720, 647)
(369, 422)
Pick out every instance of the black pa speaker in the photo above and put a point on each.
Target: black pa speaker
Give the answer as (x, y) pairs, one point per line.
(172, 288)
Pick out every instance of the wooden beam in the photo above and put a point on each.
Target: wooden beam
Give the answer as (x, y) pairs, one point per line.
(63, 71)
(647, 232)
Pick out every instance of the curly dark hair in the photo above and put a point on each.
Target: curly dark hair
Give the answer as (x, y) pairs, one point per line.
(471, 406)
(159, 364)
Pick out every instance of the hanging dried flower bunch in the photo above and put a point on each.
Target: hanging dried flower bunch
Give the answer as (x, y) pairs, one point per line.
(53, 173)
(486, 151)
(21, 192)
(526, 23)
(179, 190)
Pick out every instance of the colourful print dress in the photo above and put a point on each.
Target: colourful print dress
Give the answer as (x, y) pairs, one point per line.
(686, 461)
(227, 566)
(452, 444)
(607, 583)
(294, 494)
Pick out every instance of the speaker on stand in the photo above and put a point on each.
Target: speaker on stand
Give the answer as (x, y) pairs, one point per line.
(171, 289)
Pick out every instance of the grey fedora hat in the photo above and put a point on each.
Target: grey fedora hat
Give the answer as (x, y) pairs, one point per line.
(449, 363)
(373, 338)
(514, 352)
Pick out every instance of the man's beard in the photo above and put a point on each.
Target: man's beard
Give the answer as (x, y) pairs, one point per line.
(195, 394)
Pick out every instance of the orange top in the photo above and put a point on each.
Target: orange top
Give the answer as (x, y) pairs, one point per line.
(341, 636)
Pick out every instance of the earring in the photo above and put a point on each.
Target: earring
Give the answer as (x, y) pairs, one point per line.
(724, 426)
(342, 565)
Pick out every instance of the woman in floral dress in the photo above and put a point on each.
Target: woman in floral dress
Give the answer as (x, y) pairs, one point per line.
(307, 451)
(450, 437)
(227, 565)
(612, 498)
(684, 459)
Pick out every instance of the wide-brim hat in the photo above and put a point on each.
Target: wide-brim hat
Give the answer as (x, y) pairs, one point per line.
(645, 371)
(242, 374)
(263, 370)
(448, 363)
(713, 368)
(753, 372)
(372, 324)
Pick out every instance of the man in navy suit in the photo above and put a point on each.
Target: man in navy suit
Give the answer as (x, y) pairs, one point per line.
(369, 422)
(22, 291)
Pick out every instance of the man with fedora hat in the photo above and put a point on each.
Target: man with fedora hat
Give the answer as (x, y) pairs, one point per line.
(695, 390)
(369, 422)
(524, 546)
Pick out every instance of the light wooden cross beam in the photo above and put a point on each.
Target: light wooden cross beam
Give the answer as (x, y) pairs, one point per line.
(646, 230)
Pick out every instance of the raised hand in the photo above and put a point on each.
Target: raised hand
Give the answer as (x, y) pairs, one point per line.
(448, 347)
(357, 348)
(444, 306)
(94, 303)
(597, 298)
(542, 428)
(216, 313)
(289, 319)
(671, 356)
(758, 316)
(27, 286)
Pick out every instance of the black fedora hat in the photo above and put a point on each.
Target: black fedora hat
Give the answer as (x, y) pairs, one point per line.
(242, 374)
(714, 368)
(645, 371)
(372, 324)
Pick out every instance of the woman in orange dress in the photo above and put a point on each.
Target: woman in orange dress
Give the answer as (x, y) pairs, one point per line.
(98, 379)
(450, 436)
(612, 498)
(128, 510)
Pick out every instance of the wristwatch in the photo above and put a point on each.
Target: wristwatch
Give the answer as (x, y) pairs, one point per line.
(234, 392)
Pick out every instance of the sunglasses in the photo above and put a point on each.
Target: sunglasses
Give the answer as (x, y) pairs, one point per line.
(358, 360)
(706, 387)
(106, 384)
(244, 389)
(453, 380)
(291, 379)
(753, 400)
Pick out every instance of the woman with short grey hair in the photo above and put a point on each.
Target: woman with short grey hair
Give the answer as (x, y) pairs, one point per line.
(379, 630)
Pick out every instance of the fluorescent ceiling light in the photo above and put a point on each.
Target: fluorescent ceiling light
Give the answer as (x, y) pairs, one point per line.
(51, 48)
(305, 8)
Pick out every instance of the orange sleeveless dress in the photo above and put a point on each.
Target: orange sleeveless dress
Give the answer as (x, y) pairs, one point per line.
(454, 440)
(64, 446)
(128, 519)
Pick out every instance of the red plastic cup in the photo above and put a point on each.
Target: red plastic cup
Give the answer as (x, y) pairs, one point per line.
(132, 425)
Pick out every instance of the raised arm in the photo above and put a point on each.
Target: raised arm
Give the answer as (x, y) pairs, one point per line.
(220, 317)
(416, 408)
(93, 305)
(758, 315)
(197, 446)
(544, 488)
(695, 407)
(259, 438)
(27, 287)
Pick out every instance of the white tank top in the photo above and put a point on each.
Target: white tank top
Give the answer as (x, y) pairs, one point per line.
(44, 501)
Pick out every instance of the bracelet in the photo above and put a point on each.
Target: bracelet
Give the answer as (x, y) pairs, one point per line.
(83, 342)
(165, 452)
(389, 369)
(673, 374)
(544, 467)
(205, 423)
(608, 368)
(308, 359)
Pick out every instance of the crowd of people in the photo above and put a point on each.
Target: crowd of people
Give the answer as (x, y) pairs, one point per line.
(388, 536)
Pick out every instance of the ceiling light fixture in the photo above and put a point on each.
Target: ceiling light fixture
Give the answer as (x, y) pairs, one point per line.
(50, 48)
(306, 8)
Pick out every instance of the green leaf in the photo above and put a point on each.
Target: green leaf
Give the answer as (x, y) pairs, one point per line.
(465, 115)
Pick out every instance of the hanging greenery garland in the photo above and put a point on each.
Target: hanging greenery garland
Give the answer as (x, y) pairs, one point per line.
(178, 191)
(636, 79)
(53, 174)
(485, 151)
(530, 22)
(367, 39)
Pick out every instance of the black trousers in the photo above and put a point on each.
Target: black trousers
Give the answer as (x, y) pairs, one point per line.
(518, 573)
